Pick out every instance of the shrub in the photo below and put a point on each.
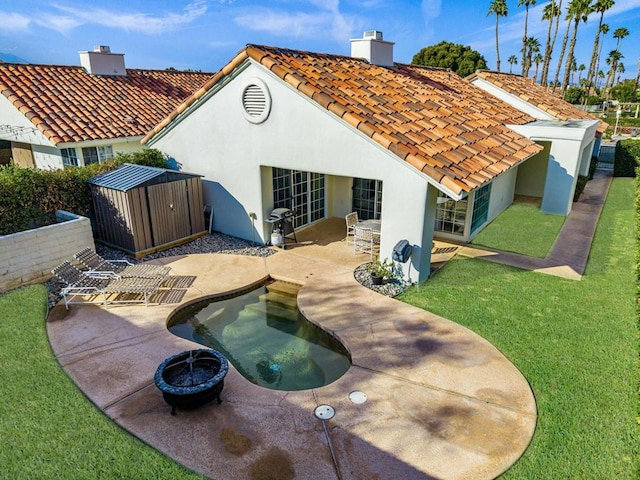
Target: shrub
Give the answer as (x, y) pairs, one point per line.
(580, 184)
(592, 166)
(627, 158)
(30, 197)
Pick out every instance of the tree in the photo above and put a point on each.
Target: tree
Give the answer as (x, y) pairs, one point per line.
(625, 91)
(574, 95)
(604, 29)
(612, 60)
(581, 69)
(527, 4)
(578, 10)
(462, 60)
(573, 68)
(537, 60)
(513, 60)
(565, 39)
(499, 8)
(550, 12)
(620, 71)
(620, 33)
(532, 46)
(600, 6)
(600, 77)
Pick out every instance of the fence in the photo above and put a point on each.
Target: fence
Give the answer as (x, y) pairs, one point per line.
(606, 157)
(28, 257)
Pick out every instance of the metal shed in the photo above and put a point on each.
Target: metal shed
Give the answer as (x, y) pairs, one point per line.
(140, 209)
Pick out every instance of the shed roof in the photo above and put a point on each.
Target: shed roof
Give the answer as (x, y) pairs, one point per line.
(436, 121)
(129, 176)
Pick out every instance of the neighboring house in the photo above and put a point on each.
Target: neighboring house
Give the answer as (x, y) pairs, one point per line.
(570, 136)
(54, 115)
(323, 134)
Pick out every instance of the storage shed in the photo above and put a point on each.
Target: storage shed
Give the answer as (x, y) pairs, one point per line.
(141, 210)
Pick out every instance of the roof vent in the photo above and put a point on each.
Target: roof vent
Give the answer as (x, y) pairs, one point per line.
(373, 48)
(256, 101)
(101, 61)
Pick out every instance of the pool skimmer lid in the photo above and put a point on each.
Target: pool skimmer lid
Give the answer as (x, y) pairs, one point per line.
(358, 397)
(324, 412)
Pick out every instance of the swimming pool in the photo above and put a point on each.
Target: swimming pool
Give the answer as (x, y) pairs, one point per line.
(265, 337)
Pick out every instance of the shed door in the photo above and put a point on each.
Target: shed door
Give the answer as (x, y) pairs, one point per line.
(169, 208)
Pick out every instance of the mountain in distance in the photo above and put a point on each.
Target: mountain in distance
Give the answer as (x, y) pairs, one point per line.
(7, 57)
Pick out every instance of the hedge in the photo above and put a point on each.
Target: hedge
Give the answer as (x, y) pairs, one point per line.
(30, 197)
(627, 158)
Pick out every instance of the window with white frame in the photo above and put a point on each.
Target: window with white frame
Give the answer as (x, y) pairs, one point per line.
(302, 192)
(69, 157)
(97, 154)
(451, 215)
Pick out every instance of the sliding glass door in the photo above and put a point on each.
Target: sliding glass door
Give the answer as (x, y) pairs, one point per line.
(302, 192)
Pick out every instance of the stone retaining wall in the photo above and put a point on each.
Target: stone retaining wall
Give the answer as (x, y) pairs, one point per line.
(28, 257)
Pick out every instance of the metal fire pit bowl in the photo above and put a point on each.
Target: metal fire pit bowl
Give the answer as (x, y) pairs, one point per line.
(192, 378)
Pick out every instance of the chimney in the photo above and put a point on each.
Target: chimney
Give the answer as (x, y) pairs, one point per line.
(373, 48)
(102, 62)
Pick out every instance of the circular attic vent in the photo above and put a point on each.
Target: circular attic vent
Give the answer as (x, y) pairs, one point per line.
(256, 101)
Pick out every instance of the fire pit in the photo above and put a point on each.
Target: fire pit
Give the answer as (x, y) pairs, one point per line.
(192, 378)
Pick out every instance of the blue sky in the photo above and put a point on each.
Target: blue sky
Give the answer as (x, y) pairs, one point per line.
(206, 34)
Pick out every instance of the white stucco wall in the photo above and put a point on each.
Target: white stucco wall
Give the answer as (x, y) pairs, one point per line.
(533, 172)
(25, 132)
(215, 140)
(502, 191)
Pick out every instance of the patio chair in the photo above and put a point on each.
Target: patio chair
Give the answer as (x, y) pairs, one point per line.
(351, 219)
(364, 241)
(89, 288)
(120, 268)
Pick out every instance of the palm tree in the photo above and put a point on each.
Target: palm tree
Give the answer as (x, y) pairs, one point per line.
(578, 10)
(612, 60)
(600, 77)
(565, 39)
(532, 46)
(581, 69)
(527, 4)
(600, 6)
(499, 8)
(604, 29)
(538, 59)
(620, 70)
(512, 60)
(550, 12)
(620, 33)
(573, 68)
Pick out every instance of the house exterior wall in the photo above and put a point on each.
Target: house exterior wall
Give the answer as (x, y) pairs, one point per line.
(532, 173)
(236, 156)
(25, 132)
(502, 191)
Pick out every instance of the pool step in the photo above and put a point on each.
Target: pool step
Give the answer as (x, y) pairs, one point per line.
(284, 288)
(275, 310)
(286, 301)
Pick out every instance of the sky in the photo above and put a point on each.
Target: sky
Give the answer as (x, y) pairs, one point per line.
(207, 34)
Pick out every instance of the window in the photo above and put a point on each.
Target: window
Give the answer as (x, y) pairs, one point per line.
(97, 154)
(367, 198)
(69, 156)
(480, 207)
(450, 215)
(302, 192)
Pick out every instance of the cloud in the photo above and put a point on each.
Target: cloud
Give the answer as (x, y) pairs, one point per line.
(133, 21)
(430, 9)
(14, 22)
(301, 24)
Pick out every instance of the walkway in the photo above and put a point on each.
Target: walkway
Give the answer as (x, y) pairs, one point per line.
(442, 402)
(570, 253)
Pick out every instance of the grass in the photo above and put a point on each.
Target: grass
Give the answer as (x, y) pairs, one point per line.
(522, 228)
(49, 429)
(576, 343)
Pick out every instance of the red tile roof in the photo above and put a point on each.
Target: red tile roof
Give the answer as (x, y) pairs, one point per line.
(436, 121)
(67, 104)
(536, 95)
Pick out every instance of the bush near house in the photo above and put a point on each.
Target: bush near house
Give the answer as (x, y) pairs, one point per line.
(627, 158)
(30, 197)
(580, 184)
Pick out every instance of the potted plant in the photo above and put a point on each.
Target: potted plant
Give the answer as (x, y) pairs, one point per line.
(379, 270)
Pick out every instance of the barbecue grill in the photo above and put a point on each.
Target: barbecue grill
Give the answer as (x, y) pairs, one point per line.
(281, 220)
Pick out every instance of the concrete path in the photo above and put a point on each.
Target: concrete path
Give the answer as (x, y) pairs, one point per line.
(442, 402)
(570, 253)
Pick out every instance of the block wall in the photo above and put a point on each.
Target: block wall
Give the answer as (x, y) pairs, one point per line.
(28, 257)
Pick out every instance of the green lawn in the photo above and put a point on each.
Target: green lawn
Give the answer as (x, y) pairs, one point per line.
(575, 341)
(49, 430)
(522, 228)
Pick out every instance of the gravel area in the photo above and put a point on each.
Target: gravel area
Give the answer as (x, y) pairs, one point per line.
(390, 288)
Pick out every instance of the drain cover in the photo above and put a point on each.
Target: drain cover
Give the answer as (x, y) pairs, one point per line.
(325, 412)
(358, 397)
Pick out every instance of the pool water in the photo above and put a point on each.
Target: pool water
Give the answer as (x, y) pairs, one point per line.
(266, 338)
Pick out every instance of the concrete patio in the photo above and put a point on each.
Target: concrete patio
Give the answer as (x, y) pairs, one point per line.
(442, 402)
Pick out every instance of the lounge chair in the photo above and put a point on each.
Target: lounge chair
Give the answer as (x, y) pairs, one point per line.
(88, 288)
(121, 268)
